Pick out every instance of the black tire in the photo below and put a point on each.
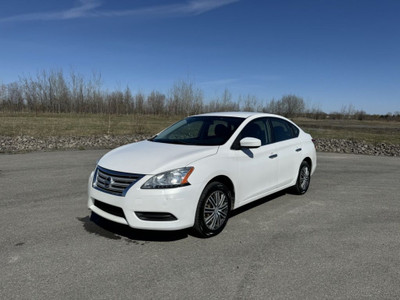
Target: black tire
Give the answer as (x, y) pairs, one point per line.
(213, 210)
(303, 179)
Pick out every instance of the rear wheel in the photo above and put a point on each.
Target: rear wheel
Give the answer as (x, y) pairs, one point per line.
(213, 210)
(303, 179)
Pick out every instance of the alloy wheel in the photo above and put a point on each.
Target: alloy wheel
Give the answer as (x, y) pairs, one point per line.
(216, 210)
(304, 177)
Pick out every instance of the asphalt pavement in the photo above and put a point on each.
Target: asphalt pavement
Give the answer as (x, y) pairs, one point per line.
(341, 240)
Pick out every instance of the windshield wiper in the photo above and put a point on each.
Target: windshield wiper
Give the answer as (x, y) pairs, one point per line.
(177, 142)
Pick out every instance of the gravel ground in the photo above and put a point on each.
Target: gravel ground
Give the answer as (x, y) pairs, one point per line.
(20, 144)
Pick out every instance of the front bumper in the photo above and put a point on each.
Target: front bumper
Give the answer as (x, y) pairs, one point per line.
(179, 202)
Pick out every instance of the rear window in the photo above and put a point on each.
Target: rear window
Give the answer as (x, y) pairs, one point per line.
(283, 130)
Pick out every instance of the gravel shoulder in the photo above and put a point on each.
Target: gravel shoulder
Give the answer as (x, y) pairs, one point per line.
(21, 144)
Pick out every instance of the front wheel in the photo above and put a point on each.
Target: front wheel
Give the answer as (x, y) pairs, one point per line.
(213, 210)
(303, 179)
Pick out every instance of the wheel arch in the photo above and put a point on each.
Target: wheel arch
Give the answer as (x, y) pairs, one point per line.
(228, 183)
(309, 161)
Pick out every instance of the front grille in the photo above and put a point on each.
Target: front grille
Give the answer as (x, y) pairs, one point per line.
(112, 182)
(111, 209)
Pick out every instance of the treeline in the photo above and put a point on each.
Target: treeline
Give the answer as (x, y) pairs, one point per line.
(54, 92)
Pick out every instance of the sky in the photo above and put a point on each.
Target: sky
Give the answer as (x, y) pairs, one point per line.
(332, 53)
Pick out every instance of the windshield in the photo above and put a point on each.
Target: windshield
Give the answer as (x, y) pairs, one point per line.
(201, 130)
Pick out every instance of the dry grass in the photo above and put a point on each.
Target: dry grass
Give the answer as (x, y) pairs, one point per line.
(372, 132)
(41, 125)
(14, 124)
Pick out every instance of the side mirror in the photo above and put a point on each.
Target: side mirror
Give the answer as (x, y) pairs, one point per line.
(250, 142)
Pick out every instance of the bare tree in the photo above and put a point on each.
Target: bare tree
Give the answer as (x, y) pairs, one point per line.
(250, 103)
(139, 103)
(52, 91)
(292, 105)
(156, 103)
(128, 101)
(348, 111)
(185, 99)
(12, 97)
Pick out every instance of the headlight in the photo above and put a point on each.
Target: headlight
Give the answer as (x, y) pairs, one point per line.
(171, 179)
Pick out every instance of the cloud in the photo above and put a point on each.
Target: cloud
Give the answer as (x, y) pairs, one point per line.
(83, 9)
(91, 9)
(198, 7)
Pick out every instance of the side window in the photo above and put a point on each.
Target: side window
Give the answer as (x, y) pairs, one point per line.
(219, 131)
(295, 130)
(283, 130)
(258, 129)
(218, 128)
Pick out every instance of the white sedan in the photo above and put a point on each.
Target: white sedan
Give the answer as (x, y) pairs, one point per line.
(195, 172)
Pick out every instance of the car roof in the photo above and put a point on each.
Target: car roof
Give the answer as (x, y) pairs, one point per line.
(239, 114)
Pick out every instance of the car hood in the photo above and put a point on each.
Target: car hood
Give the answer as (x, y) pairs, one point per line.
(148, 157)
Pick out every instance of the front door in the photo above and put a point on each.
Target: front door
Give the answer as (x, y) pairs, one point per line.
(257, 168)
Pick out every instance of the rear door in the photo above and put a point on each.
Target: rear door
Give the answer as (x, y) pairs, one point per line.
(288, 148)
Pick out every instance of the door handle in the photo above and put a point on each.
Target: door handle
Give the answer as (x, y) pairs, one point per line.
(273, 156)
(298, 149)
